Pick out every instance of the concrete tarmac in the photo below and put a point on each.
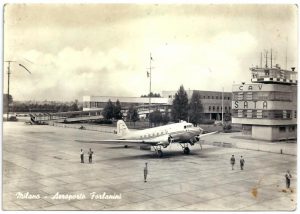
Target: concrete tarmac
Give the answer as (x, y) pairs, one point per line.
(42, 171)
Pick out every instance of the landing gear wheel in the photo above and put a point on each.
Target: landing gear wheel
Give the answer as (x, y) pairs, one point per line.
(159, 153)
(186, 150)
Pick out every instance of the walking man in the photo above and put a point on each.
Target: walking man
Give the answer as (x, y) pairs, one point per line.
(145, 172)
(82, 156)
(288, 177)
(90, 153)
(242, 162)
(232, 161)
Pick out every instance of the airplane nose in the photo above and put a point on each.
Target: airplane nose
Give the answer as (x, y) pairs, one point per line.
(198, 130)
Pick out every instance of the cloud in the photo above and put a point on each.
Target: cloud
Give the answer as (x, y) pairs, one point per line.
(105, 50)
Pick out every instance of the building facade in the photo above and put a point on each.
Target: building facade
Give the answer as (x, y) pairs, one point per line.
(141, 103)
(211, 102)
(267, 107)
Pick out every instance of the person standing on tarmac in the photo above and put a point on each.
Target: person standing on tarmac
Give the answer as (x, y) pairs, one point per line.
(242, 162)
(90, 153)
(145, 172)
(82, 156)
(232, 161)
(288, 177)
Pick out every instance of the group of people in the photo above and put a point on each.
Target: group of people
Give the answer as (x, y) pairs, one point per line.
(90, 153)
(287, 176)
(232, 162)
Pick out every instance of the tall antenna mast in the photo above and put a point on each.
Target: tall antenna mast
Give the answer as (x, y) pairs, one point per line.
(271, 57)
(149, 74)
(266, 56)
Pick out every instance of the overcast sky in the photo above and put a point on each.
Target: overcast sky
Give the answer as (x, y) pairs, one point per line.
(103, 50)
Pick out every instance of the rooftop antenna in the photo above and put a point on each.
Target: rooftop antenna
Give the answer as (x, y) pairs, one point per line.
(266, 56)
(271, 57)
(8, 81)
(261, 59)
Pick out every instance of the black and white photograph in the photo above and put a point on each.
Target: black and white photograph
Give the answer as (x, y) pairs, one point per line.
(149, 106)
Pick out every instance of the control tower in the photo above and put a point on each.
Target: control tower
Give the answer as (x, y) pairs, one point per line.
(267, 107)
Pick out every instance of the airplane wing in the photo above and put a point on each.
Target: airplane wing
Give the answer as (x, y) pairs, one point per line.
(204, 135)
(127, 142)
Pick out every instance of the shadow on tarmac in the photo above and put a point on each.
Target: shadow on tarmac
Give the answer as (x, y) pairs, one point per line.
(167, 155)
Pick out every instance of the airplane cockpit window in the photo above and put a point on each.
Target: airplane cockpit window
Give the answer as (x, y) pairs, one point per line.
(185, 127)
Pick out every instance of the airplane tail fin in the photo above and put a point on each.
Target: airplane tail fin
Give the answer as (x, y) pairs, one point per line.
(122, 128)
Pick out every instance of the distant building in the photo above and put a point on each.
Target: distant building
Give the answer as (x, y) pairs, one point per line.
(267, 107)
(211, 102)
(141, 103)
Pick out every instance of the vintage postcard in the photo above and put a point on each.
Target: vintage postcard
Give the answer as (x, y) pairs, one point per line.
(148, 106)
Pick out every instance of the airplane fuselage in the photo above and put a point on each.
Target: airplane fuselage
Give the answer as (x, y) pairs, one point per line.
(180, 132)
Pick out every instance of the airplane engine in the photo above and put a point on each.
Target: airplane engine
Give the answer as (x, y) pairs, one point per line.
(170, 139)
(165, 144)
(194, 140)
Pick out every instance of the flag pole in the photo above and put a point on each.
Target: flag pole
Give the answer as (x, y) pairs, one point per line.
(150, 90)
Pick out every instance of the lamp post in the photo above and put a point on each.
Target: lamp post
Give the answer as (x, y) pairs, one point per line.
(8, 81)
(222, 106)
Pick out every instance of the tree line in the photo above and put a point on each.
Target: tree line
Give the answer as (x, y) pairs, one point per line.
(52, 108)
(151, 95)
(38, 107)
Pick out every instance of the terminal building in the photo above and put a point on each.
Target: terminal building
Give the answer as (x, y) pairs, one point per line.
(267, 107)
(210, 100)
